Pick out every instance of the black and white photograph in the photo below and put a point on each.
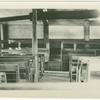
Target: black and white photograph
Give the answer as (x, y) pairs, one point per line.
(49, 49)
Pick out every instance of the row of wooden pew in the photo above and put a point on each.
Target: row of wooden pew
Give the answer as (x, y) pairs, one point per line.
(20, 67)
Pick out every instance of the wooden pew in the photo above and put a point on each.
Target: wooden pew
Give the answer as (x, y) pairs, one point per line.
(9, 62)
(12, 72)
(24, 63)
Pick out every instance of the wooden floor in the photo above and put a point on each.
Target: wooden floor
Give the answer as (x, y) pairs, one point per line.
(55, 76)
(51, 80)
(53, 85)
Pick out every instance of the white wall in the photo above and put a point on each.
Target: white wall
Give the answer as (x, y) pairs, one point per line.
(94, 32)
(66, 32)
(24, 31)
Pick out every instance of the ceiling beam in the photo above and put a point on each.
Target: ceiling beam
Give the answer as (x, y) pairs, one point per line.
(14, 18)
(49, 15)
(74, 14)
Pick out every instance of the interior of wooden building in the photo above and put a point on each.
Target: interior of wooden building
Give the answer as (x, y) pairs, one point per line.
(49, 45)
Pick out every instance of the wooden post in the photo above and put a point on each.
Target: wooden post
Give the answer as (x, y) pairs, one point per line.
(1, 36)
(46, 35)
(86, 32)
(46, 32)
(87, 38)
(75, 46)
(61, 55)
(35, 45)
(0, 39)
(17, 73)
(5, 35)
(19, 45)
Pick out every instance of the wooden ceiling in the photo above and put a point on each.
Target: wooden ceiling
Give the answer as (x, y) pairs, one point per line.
(67, 14)
(54, 16)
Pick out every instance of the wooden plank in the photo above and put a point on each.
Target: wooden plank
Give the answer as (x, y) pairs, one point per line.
(35, 45)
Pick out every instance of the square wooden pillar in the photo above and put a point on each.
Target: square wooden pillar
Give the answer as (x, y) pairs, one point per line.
(86, 32)
(61, 54)
(35, 45)
(1, 37)
(75, 46)
(46, 35)
(87, 38)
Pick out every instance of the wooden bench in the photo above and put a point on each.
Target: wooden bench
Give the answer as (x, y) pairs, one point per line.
(12, 72)
(24, 63)
(9, 62)
(3, 78)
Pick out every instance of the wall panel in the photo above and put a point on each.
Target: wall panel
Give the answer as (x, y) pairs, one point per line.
(66, 32)
(23, 31)
(94, 32)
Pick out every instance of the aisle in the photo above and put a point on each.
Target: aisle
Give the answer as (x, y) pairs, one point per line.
(55, 76)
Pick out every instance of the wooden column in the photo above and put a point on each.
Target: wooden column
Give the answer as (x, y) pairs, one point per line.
(5, 35)
(75, 46)
(1, 36)
(35, 45)
(46, 31)
(46, 35)
(61, 55)
(87, 38)
(86, 32)
(19, 45)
